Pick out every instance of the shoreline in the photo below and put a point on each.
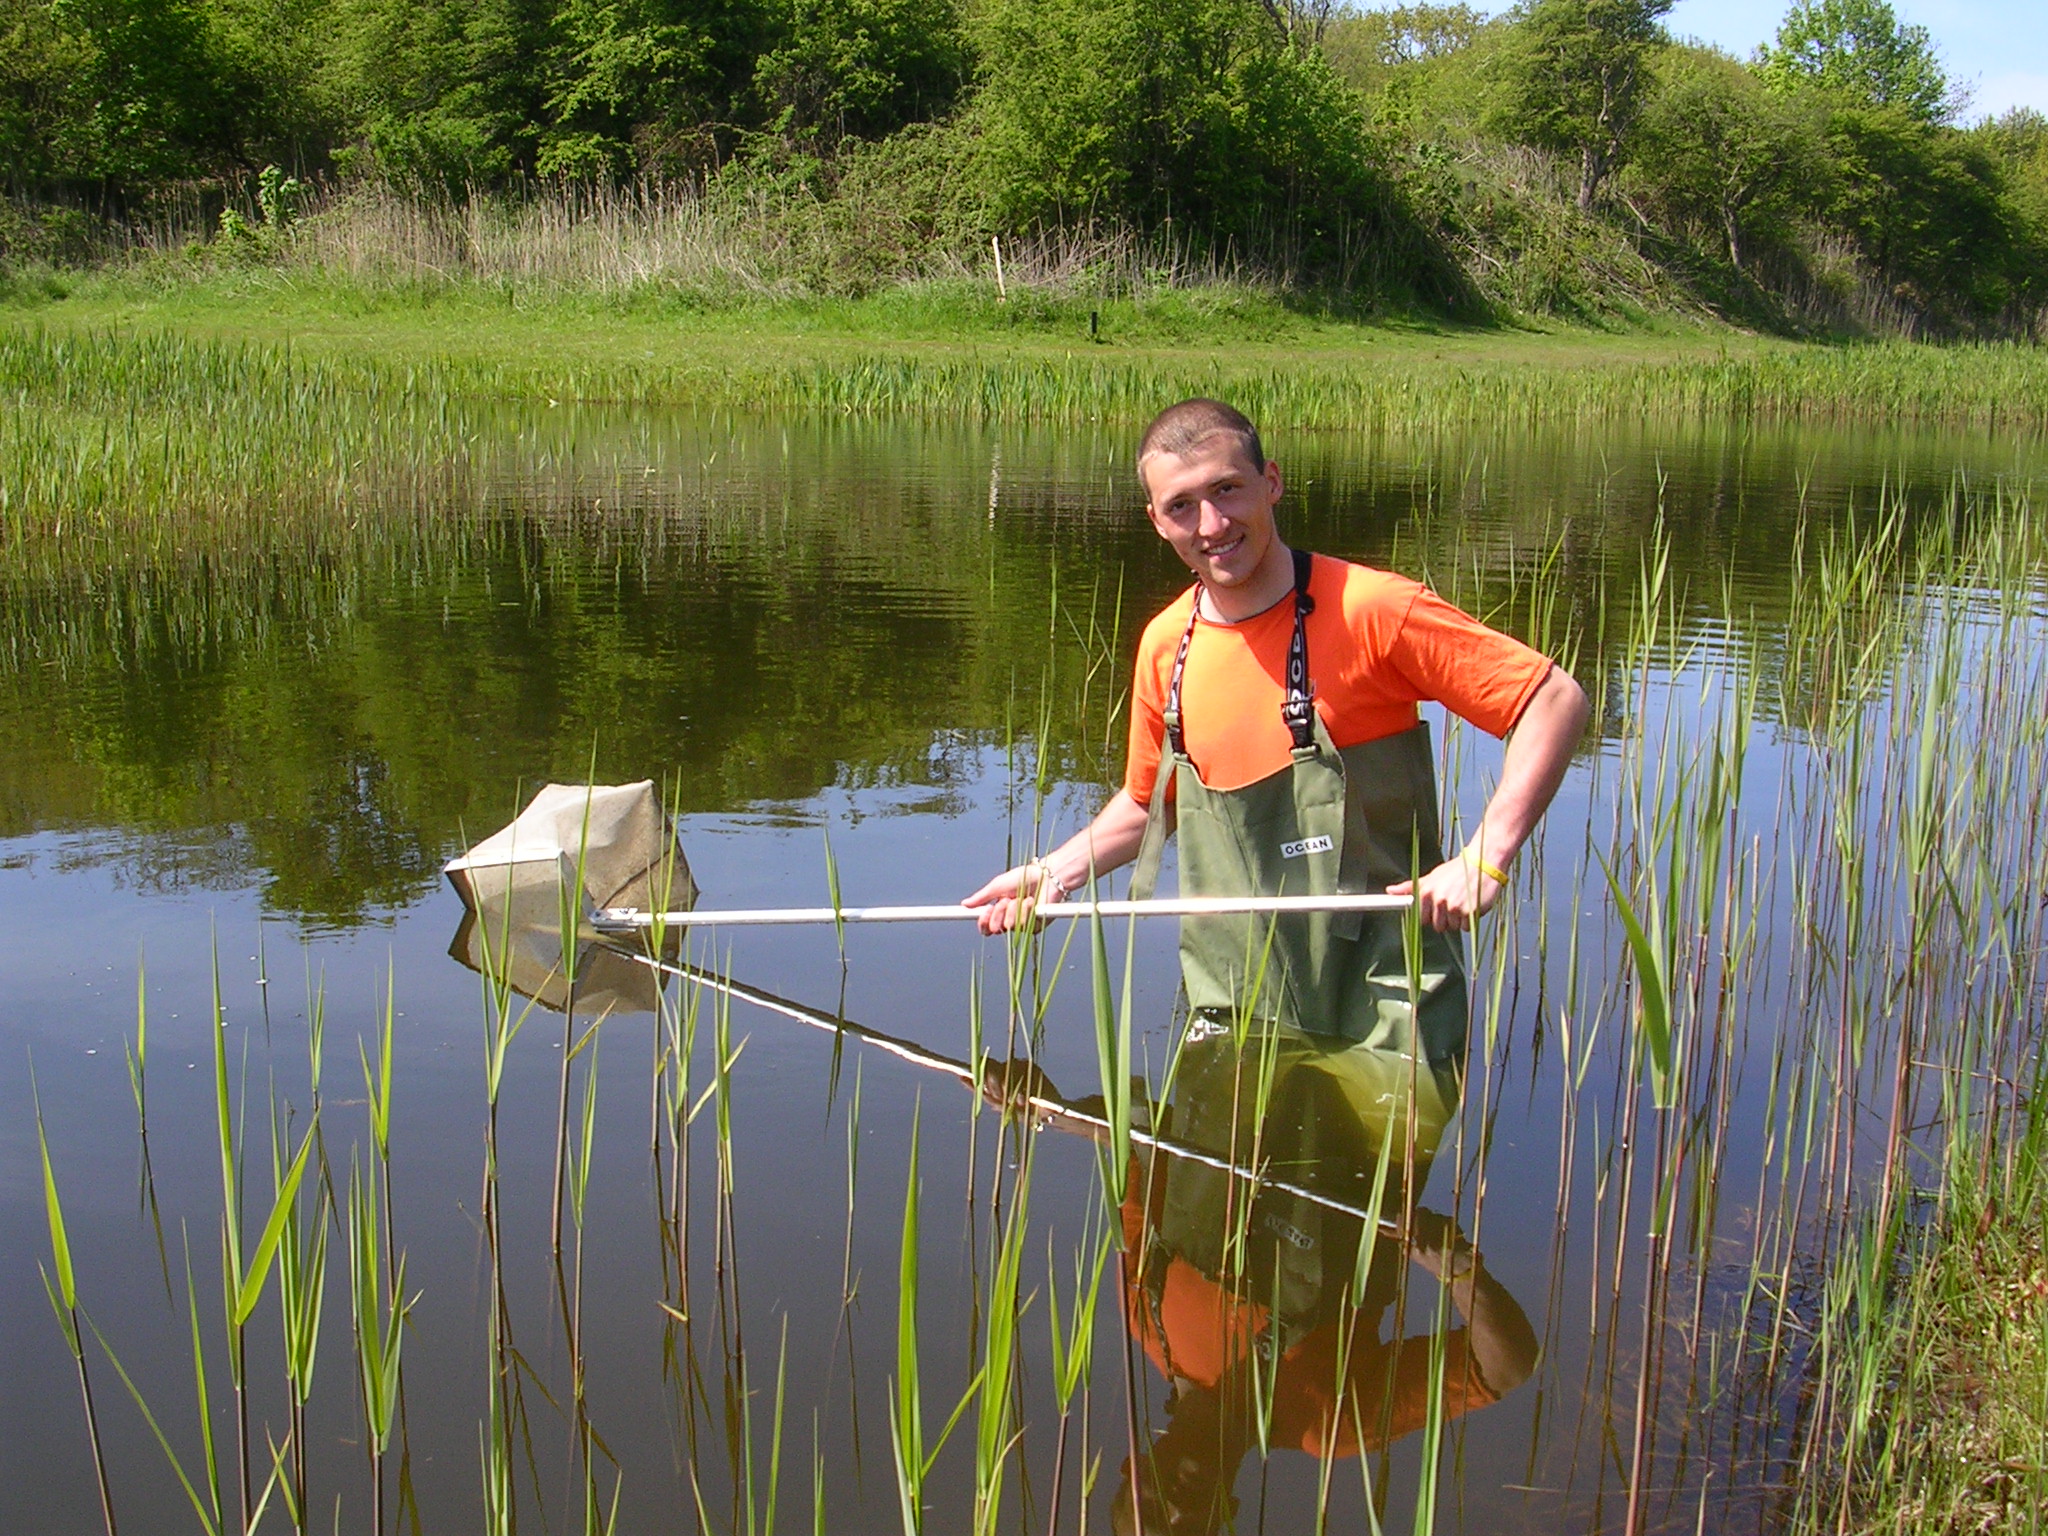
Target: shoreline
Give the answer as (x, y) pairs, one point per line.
(952, 352)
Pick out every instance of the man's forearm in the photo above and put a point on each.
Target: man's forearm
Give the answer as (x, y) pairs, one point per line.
(1108, 842)
(1497, 1331)
(1538, 754)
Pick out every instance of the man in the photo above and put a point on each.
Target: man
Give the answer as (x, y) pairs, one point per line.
(1274, 727)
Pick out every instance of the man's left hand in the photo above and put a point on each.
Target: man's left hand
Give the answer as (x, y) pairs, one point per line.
(1451, 895)
(1011, 1085)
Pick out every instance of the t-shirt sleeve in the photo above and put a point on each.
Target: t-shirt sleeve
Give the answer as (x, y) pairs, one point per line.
(1477, 673)
(1148, 723)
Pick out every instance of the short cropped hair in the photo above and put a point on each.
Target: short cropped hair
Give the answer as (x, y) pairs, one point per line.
(1180, 429)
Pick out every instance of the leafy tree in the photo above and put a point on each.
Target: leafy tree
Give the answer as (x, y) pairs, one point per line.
(2018, 143)
(863, 68)
(1860, 51)
(651, 71)
(1571, 79)
(156, 99)
(124, 95)
(1931, 209)
(1064, 103)
(44, 129)
(1303, 22)
(1364, 46)
(442, 92)
(1715, 148)
(275, 53)
(1197, 111)
(1924, 205)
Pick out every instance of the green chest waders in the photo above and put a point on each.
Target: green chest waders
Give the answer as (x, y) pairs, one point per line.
(1337, 989)
(1330, 821)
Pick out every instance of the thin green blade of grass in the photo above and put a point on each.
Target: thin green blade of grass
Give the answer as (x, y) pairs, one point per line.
(63, 1295)
(1112, 1053)
(906, 1409)
(832, 890)
(138, 1054)
(994, 1435)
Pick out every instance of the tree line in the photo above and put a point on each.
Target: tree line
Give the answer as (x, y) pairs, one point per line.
(1421, 154)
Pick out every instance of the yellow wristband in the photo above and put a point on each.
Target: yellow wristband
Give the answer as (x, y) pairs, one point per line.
(1492, 872)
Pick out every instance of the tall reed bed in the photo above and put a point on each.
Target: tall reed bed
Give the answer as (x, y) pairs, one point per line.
(1935, 1325)
(160, 443)
(165, 446)
(1810, 1002)
(580, 239)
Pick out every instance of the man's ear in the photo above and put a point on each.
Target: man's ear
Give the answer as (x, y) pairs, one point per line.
(1152, 517)
(1274, 483)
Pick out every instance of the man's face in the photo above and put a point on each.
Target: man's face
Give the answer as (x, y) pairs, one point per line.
(1214, 508)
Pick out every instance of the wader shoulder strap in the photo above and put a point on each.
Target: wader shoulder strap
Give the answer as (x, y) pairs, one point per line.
(1152, 847)
(1300, 709)
(1174, 736)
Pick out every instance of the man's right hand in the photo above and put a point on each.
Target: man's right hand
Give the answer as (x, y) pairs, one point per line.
(1007, 901)
(1108, 842)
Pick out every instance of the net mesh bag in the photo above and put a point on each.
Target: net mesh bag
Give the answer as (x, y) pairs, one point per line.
(513, 885)
(615, 835)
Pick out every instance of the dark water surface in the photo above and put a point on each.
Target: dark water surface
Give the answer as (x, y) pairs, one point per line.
(880, 632)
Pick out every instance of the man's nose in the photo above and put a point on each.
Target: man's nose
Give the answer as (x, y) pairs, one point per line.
(1212, 520)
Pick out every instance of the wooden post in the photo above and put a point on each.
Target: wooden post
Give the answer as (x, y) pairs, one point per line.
(995, 243)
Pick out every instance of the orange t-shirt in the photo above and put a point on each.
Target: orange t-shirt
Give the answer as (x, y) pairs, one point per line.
(1202, 1333)
(1378, 644)
(1197, 1330)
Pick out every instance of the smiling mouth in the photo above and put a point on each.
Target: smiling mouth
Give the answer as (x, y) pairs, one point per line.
(1218, 551)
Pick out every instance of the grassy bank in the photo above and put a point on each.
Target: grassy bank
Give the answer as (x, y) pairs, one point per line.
(1939, 1338)
(958, 349)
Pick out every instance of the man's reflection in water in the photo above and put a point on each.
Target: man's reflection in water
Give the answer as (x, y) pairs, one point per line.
(1266, 1309)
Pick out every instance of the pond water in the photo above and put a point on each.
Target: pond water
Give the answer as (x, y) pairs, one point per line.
(912, 641)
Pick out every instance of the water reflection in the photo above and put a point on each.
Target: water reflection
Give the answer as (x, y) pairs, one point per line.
(1278, 1309)
(519, 943)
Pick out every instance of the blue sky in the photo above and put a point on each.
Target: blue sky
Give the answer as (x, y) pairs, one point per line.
(1999, 48)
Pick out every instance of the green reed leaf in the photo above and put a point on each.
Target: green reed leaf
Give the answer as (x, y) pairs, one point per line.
(53, 1211)
(249, 1285)
(1653, 990)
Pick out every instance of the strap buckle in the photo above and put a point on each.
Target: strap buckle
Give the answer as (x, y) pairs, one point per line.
(1300, 715)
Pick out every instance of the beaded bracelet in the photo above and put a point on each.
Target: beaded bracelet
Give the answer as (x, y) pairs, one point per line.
(1039, 881)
